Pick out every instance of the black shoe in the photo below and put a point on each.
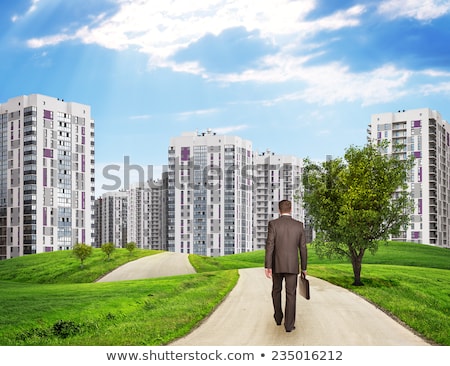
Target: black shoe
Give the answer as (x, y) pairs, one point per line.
(276, 321)
(290, 330)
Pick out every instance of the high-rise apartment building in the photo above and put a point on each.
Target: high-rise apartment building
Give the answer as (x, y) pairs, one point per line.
(139, 213)
(158, 214)
(145, 215)
(133, 215)
(425, 135)
(47, 175)
(209, 194)
(111, 213)
(276, 177)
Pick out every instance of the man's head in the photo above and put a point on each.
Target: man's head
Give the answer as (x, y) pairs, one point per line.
(285, 206)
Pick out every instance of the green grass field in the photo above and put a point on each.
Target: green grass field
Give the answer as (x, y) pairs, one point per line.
(47, 299)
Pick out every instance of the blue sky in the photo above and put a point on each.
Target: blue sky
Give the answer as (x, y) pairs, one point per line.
(297, 77)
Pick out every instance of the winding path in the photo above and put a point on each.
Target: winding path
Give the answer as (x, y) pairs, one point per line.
(333, 317)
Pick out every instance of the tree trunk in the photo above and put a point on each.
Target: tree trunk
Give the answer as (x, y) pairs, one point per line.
(357, 264)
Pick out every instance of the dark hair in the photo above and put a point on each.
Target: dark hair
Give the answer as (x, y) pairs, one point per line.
(285, 206)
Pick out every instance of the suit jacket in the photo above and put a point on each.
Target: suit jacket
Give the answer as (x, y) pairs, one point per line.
(285, 241)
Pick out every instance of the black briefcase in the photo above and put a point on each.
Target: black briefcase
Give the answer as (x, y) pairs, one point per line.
(303, 286)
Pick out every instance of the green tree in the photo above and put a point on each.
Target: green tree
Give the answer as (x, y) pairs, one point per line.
(82, 251)
(108, 248)
(356, 202)
(131, 246)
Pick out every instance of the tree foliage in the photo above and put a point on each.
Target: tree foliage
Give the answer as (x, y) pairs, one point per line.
(82, 251)
(108, 248)
(131, 246)
(355, 202)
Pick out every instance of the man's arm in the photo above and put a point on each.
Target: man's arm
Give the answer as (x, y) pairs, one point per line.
(303, 251)
(269, 250)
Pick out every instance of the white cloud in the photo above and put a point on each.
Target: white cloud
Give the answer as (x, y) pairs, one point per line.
(436, 73)
(323, 132)
(274, 69)
(423, 10)
(159, 29)
(143, 116)
(31, 9)
(229, 129)
(48, 41)
(331, 83)
(436, 88)
(338, 20)
(200, 112)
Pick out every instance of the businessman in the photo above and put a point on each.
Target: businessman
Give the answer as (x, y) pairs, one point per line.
(284, 244)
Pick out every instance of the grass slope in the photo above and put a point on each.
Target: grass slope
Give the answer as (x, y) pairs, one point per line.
(64, 267)
(140, 312)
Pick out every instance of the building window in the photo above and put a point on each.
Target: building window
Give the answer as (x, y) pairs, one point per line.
(48, 114)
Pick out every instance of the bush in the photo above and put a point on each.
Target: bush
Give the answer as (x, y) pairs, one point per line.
(131, 246)
(108, 248)
(82, 251)
(64, 329)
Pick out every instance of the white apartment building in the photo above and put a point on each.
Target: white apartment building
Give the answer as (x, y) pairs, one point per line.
(138, 221)
(145, 215)
(209, 194)
(111, 213)
(426, 136)
(47, 176)
(134, 215)
(276, 177)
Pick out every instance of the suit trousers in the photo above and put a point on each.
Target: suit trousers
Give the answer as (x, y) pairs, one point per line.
(291, 298)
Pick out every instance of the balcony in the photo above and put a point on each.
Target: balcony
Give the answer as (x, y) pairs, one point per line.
(396, 126)
(398, 141)
(433, 236)
(432, 146)
(432, 131)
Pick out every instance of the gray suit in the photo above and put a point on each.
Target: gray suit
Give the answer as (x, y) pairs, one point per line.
(285, 241)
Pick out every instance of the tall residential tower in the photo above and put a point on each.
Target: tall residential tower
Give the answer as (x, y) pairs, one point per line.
(111, 214)
(276, 178)
(146, 215)
(209, 194)
(47, 175)
(425, 135)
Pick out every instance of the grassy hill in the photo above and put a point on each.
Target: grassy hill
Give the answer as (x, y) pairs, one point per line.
(64, 267)
(47, 299)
